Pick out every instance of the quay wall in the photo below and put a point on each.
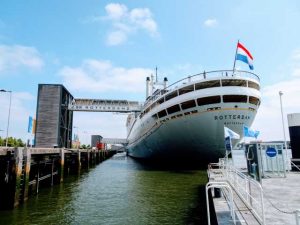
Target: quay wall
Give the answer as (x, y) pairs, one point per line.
(23, 171)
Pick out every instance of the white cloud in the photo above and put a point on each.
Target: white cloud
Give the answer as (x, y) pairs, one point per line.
(116, 11)
(296, 72)
(116, 38)
(21, 108)
(268, 119)
(210, 23)
(101, 76)
(125, 22)
(17, 56)
(108, 125)
(296, 55)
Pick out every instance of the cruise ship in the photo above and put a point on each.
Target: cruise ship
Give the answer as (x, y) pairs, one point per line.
(186, 120)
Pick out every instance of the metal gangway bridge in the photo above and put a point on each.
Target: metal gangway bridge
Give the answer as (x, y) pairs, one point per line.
(104, 105)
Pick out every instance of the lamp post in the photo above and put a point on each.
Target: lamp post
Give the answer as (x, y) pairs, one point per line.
(283, 128)
(77, 137)
(7, 128)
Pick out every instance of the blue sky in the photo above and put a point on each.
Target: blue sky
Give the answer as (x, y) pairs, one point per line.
(104, 49)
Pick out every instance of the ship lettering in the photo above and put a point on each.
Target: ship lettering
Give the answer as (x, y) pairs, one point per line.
(233, 117)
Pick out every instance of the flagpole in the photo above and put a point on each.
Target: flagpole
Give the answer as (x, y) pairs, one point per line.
(235, 57)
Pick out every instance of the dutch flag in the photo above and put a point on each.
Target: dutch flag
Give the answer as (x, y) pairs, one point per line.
(244, 55)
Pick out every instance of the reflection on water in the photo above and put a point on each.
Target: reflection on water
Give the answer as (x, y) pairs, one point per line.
(118, 191)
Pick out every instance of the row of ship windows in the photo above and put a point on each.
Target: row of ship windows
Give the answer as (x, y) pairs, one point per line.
(203, 85)
(208, 101)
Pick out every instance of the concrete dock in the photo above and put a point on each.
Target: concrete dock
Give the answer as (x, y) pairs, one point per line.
(281, 200)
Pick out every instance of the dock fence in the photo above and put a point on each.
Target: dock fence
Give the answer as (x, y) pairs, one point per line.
(249, 190)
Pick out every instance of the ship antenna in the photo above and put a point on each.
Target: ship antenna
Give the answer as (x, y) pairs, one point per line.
(156, 73)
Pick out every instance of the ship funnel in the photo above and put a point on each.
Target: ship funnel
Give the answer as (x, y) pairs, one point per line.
(147, 86)
(165, 82)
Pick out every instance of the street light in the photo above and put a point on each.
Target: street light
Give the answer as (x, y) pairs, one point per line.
(2, 90)
(283, 128)
(76, 138)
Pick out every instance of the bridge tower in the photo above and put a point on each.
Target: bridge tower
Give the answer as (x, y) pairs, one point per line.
(53, 118)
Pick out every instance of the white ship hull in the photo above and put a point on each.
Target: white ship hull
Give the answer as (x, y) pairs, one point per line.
(196, 133)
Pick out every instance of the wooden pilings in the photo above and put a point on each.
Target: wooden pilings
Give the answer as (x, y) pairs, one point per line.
(23, 171)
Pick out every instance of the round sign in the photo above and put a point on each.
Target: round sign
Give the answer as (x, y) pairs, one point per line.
(271, 152)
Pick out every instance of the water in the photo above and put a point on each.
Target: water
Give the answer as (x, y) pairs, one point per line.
(117, 191)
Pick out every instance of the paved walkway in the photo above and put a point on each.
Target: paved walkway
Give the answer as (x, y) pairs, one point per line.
(281, 199)
(284, 194)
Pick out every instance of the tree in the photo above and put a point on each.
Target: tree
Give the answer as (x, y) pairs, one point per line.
(12, 142)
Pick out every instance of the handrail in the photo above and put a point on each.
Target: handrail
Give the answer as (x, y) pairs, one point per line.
(249, 190)
(219, 185)
(203, 76)
(244, 185)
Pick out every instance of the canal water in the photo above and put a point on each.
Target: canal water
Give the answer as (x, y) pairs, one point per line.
(118, 191)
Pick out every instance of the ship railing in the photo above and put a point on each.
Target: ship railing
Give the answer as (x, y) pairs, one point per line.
(249, 190)
(203, 76)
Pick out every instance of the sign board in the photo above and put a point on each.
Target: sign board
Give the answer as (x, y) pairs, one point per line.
(228, 146)
(271, 152)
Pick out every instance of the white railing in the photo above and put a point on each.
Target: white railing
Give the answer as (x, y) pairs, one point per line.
(219, 184)
(199, 77)
(248, 189)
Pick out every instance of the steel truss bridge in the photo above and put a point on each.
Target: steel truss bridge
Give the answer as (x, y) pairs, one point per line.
(102, 105)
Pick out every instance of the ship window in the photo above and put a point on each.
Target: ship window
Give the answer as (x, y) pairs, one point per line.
(162, 113)
(160, 101)
(208, 100)
(207, 84)
(186, 89)
(173, 109)
(154, 116)
(188, 104)
(253, 85)
(153, 105)
(253, 100)
(147, 110)
(234, 98)
(234, 82)
(171, 95)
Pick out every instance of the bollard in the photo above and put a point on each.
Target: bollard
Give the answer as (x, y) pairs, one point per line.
(217, 193)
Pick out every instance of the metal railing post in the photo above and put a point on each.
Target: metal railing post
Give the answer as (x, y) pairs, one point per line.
(219, 185)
